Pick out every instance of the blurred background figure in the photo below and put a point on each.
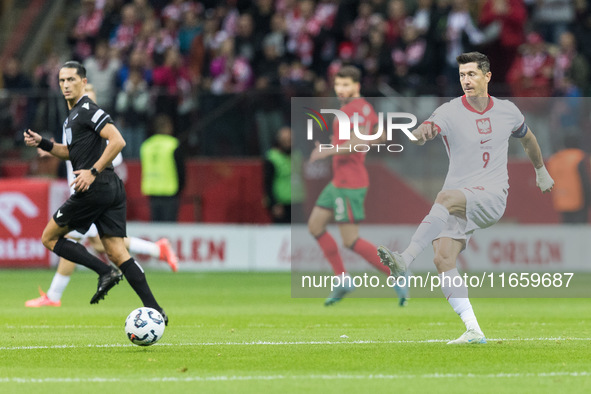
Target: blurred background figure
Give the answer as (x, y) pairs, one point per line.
(570, 168)
(553, 17)
(86, 30)
(132, 106)
(163, 171)
(531, 73)
(461, 35)
(511, 15)
(16, 109)
(102, 70)
(284, 189)
(571, 69)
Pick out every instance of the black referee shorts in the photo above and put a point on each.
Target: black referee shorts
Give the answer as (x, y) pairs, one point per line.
(103, 204)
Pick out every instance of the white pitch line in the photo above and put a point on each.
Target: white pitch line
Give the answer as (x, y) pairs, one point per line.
(231, 378)
(44, 326)
(81, 326)
(268, 343)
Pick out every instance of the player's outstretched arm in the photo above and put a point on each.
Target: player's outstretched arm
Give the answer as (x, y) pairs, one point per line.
(58, 150)
(532, 149)
(425, 132)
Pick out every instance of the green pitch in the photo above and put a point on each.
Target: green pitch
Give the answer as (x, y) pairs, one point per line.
(244, 333)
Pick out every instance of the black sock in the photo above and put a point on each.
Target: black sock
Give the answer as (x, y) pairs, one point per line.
(137, 279)
(73, 251)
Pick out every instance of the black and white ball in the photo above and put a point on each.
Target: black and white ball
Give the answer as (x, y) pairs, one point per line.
(144, 326)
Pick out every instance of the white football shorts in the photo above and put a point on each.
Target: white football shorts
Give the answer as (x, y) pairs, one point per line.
(484, 207)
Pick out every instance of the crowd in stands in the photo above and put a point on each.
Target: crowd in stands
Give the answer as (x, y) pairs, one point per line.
(143, 55)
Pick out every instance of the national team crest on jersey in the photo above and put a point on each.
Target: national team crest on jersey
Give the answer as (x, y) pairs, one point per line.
(484, 126)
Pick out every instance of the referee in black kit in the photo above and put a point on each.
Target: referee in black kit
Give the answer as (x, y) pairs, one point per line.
(93, 142)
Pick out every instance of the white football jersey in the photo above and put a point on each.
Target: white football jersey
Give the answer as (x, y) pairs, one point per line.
(477, 142)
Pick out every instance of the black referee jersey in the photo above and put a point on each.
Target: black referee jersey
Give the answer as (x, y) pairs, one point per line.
(82, 130)
(104, 203)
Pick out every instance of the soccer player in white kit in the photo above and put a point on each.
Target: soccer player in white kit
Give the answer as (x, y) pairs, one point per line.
(475, 129)
(160, 249)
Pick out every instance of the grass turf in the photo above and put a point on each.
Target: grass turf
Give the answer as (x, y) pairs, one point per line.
(236, 332)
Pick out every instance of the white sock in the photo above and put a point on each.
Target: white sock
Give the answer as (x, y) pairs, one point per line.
(428, 230)
(456, 292)
(58, 285)
(141, 246)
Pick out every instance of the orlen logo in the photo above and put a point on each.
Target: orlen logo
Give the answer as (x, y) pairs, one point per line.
(345, 128)
(9, 203)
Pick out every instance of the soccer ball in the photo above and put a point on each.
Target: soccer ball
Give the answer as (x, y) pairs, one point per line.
(144, 326)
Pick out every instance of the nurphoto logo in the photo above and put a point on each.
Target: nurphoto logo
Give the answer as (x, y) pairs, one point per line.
(347, 124)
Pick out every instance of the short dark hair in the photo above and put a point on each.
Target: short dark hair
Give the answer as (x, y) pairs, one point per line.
(480, 59)
(80, 70)
(349, 72)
